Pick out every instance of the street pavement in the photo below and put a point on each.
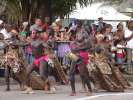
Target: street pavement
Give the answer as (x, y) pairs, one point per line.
(62, 93)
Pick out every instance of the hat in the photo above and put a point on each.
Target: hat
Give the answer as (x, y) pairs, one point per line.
(23, 33)
(100, 37)
(53, 24)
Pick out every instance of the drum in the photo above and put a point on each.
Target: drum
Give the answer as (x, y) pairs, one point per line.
(72, 56)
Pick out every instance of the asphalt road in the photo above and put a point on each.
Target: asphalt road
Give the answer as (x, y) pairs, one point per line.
(63, 94)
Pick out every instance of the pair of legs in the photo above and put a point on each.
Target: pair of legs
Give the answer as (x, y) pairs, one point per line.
(42, 69)
(9, 73)
(55, 74)
(83, 74)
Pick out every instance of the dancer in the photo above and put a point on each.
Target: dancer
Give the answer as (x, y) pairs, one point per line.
(80, 48)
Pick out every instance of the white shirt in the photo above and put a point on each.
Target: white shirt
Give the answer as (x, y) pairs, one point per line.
(120, 50)
(127, 34)
(5, 33)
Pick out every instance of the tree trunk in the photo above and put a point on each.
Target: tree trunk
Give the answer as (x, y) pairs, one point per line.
(46, 10)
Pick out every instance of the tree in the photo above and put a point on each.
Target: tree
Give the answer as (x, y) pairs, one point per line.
(16, 10)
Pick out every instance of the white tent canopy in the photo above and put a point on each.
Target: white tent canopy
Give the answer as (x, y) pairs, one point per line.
(95, 11)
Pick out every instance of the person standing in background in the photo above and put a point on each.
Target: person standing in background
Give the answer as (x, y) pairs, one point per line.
(37, 26)
(128, 37)
(101, 24)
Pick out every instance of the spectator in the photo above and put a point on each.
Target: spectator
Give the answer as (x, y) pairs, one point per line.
(129, 35)
(101, 24)
(6, 31)
(37, 26)
(129, 39)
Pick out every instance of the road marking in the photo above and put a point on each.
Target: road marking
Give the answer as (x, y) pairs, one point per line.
(103, 95)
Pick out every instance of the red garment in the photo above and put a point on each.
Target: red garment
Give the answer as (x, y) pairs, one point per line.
(45, 26)
(120, 55)
(84, 56)
(36, 61)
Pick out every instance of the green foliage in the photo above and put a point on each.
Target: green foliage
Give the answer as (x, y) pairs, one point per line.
(63, 7)
(16, 10)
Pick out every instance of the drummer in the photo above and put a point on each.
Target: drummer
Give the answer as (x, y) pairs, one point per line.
(80, 47)
(40, 62)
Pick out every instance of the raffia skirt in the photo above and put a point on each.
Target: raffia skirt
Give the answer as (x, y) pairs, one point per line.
(111, 80)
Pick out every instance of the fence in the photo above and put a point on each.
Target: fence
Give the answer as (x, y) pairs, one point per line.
(129, 62)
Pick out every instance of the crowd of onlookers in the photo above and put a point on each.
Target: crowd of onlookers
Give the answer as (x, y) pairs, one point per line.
(116, 42)
(73, 45)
